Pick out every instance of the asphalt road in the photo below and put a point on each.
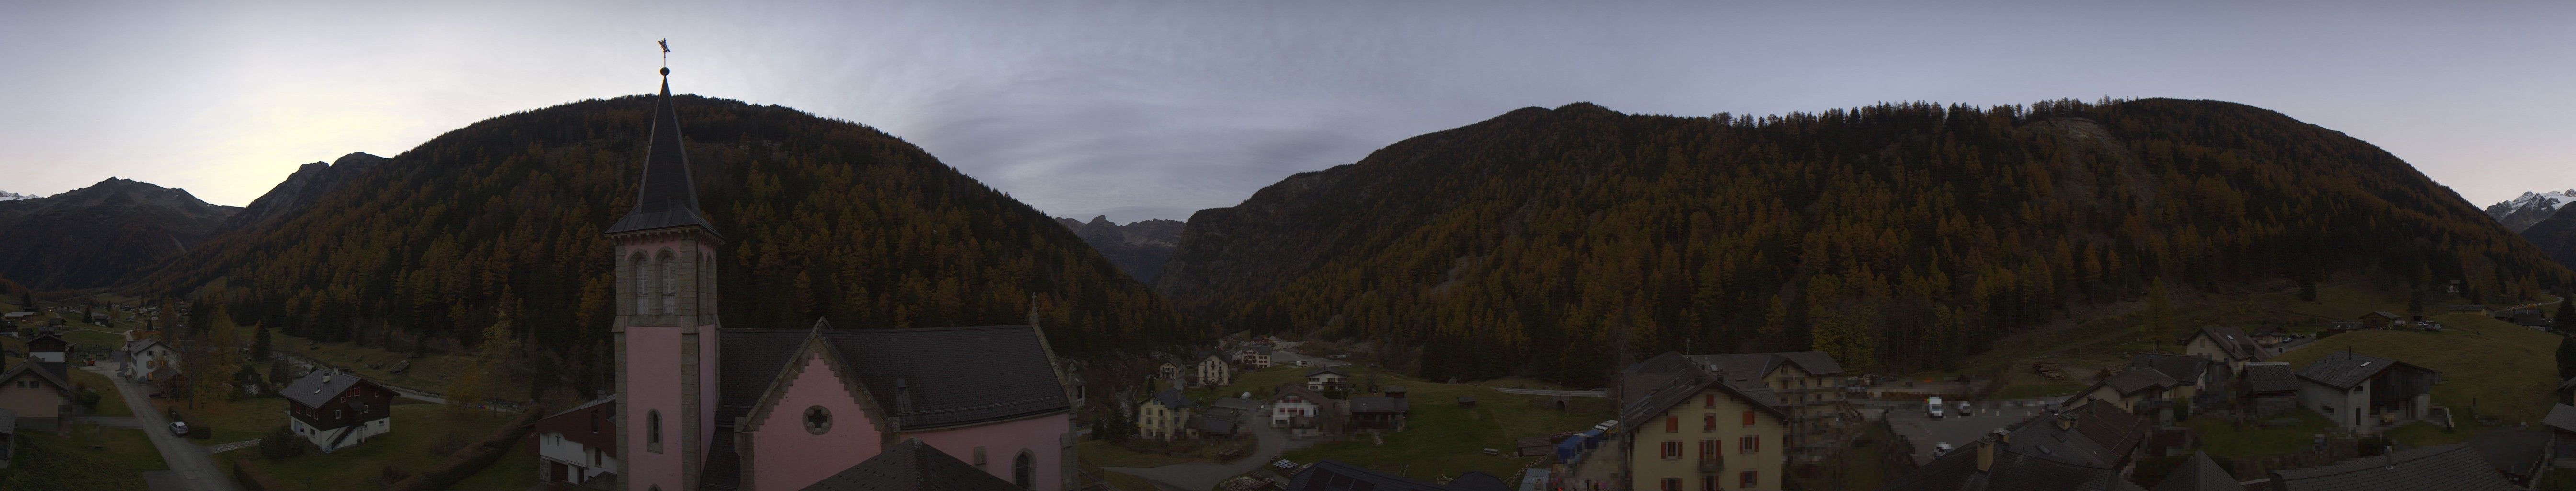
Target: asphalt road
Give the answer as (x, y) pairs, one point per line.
(1955, 430)
(194, 466)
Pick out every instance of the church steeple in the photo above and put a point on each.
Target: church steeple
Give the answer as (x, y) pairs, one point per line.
(668, 197)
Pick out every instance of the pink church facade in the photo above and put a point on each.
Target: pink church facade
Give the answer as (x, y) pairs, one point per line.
(705, 407)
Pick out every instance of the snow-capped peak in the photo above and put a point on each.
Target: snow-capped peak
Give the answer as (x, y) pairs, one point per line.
(9, 196)
(2555, 198)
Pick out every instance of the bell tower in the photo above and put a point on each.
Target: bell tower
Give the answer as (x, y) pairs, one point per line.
(666, 328)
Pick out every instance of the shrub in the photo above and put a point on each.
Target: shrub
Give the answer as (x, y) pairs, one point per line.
(282, 444)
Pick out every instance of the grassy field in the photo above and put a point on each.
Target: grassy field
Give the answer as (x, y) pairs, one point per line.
(417, 428)
(109, 404)
(46, 461)
(2492, 367)
(128, 446)
(516, 471)
(1442, 439)
(429, 373)
(2227, 440)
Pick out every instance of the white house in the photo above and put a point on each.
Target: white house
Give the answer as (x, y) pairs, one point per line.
(579, 445)
(145, 355)
(336, 410)
(1214, 370)
(1327, 378)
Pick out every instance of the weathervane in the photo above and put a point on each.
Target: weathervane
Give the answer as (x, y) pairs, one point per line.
(666, 57)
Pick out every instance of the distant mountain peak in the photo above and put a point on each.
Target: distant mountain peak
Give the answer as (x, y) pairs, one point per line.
(9, 196)
(2532, 207)
(1137, 248)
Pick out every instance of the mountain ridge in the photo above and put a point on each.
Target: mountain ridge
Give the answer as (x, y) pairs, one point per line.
(92, 236)
(1138, 248)
(1551, 242)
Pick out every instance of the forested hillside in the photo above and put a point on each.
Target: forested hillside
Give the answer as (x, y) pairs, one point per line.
(503, 218)
(1554, 243)
(93, 236)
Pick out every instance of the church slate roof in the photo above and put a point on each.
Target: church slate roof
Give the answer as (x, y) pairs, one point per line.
(669, 197)
(928, 377)
(912, 466)
(1333, 475)
(2451, 467)
(2199, 474)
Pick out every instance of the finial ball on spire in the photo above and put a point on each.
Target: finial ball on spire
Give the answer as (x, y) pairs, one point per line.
(666, 71)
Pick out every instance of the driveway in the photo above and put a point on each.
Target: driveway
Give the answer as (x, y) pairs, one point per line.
(1202, 476)
(194, 466)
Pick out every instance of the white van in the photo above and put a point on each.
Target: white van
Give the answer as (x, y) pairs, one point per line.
(1932, 407)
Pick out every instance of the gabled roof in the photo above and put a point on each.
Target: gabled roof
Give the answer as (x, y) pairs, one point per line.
(612, 399)
(2381, 314)
(49, 376)
(2561, 417)
(2345, 369)
(1325, 370)
(139, 344)
(928, 377)
(2199, 474)
(1814, 362)
(2097, 435)
(1172, 399)
(2512, 452)
(912, 466)
(2183, 369)
(1332, 475)
(1379, 405)
(1689, 383)
(2231, 340)
(1303, 395)
(2136, 381)
(1237, 404)
(31, 342)
(2451, 467)
(319, 386)
(2270, 377)
(668, 196)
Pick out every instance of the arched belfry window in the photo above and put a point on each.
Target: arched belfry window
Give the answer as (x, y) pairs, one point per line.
(1024, 469)
(643, 284)
(670, 289)
(653, 427)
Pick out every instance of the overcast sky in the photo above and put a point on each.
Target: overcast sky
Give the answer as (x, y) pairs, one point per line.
(1154, 110)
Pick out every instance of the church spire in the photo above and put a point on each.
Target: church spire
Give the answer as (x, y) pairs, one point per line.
(669, 195)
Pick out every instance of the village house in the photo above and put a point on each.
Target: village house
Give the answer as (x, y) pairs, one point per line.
(1227, 418)
(2088, 449)
(1698, 431)
(1256, 357)
(1168, 371)
(1808, 385)
(2561, 422)
(2445, 467)
(2228, 345)
(2379, 319)
(708, 407)
(335, 410)
(578, 446)
(1212, 370)
(2272, 387)
(1327, 378)
(2366, 394)
(1305, 413)
(39, 393)
(2270, 337)
(2197, 379)
(1383, 412)
(2133, 391)
(1166, 416)
(144, 356)
(47, 347)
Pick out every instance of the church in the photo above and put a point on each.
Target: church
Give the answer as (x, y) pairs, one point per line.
(707, 407)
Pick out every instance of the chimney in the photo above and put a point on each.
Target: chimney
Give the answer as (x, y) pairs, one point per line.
(1985, 456)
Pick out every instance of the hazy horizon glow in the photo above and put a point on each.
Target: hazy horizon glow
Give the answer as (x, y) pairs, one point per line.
(1142, 110)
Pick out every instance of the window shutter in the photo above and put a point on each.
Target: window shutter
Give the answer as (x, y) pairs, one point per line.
(1748, 418)
(1749, 480)
(1709, 400)
(1672, 424)
(1708, 422)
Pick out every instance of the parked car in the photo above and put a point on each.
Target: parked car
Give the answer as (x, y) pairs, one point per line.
(1941, 449)
(1964, 408)
(1606, 425)
(179, 428)
(1932, 407)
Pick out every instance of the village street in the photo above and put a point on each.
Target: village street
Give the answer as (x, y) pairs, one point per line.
(1202, 476)
(193, 464)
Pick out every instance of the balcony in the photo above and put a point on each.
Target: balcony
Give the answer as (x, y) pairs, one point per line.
(1712, 466)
